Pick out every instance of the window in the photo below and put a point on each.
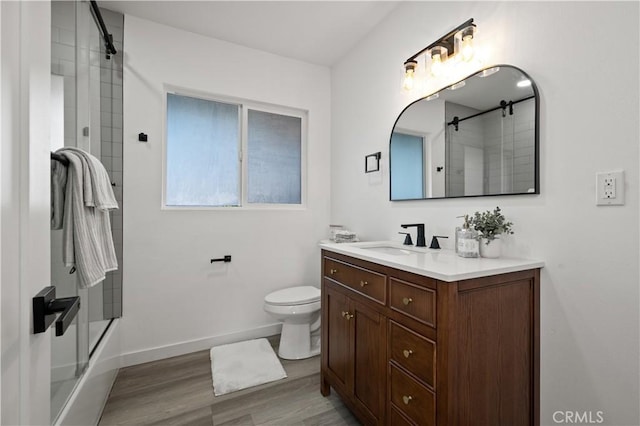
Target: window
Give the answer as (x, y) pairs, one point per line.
(227, 154)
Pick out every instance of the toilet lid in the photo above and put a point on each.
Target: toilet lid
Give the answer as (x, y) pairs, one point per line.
(294, 296)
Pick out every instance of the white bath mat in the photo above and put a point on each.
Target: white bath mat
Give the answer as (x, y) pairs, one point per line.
(244, 364)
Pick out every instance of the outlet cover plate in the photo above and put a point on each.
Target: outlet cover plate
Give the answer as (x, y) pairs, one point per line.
(610, 188)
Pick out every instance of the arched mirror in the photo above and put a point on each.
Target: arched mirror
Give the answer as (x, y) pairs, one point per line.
(477, 137)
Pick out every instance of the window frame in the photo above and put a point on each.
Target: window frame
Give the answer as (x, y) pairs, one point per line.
(244, 105)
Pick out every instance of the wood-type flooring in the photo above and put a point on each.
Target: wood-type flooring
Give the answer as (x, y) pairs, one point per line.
(179, 391)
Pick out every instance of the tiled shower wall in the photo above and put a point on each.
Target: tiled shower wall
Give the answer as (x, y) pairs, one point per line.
(512, 136)
(111, 151)
(469, 134)
(506, 143)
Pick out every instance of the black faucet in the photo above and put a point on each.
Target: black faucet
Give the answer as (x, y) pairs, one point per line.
(420, 241)
(407, 238)
(434, 241)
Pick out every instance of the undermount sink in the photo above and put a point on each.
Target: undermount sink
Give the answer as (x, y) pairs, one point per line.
(396, 251)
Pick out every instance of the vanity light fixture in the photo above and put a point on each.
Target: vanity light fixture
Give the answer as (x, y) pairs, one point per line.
(457, 44)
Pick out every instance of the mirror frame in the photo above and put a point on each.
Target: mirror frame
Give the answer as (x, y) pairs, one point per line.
(536, 138)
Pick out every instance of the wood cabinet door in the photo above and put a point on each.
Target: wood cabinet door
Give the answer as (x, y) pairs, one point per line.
(369, 359)
(338, 342)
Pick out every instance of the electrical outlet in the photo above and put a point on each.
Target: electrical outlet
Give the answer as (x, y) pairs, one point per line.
(610, 188)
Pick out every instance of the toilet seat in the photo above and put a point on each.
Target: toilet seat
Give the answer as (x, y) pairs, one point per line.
(293, 296)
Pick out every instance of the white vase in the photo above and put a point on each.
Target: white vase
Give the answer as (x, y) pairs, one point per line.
(491, 250)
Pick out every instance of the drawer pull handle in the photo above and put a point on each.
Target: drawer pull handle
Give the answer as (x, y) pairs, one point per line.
(347, 315)
(407, 300)
(333, 271)
(407, 399)
(407, 353)
(363, 283)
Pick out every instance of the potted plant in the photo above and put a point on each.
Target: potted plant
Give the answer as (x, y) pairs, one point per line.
(490, 225)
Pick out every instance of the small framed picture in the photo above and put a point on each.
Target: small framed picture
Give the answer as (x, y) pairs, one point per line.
(372, 162)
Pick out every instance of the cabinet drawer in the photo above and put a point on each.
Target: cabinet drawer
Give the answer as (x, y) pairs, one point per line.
(363, 281)
(398, 419)
(415, 401)
(413, 352)
(414, 301)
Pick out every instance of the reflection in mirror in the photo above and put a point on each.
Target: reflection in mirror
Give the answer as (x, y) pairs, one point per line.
(408, 165)
(476, 137)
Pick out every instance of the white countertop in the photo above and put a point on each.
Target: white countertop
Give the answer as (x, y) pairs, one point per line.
(442, 264)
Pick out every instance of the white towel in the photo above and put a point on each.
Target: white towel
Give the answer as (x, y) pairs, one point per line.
(87, 240)
(58, 185)
(98, 191)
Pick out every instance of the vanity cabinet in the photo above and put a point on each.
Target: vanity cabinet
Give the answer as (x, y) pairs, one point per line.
(405, 349)
(352, 358)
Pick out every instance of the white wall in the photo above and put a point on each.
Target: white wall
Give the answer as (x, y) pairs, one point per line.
(589, 123)
(25, 55)
(172, 293)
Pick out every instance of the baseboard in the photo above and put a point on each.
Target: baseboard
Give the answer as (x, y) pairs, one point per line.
(169, 351)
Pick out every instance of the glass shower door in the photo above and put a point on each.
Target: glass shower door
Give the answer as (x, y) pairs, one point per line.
(72, 26)
(86, 105)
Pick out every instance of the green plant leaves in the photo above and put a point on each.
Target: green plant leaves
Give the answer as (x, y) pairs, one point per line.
(490, 224)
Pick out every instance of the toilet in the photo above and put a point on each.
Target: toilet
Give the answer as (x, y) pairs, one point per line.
(299, 310)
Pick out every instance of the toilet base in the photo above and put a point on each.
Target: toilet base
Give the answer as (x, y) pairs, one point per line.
(295, 342)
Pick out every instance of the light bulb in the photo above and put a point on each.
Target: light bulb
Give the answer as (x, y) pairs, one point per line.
(438, 57)
(409, 74)
(436, 65)
(408, 81)
(464, 43)
(467, 48)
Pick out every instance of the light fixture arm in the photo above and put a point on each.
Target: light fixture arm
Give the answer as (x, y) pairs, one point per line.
(446, 40)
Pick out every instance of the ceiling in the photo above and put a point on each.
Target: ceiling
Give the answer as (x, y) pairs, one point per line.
(320, 32)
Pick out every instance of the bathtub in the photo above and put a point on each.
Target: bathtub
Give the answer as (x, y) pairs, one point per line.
(89, 397)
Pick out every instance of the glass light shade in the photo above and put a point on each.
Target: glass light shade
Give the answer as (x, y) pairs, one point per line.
(463, 43)
(438, 55)
(408, 80)
(467, 48)
(407, 83)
